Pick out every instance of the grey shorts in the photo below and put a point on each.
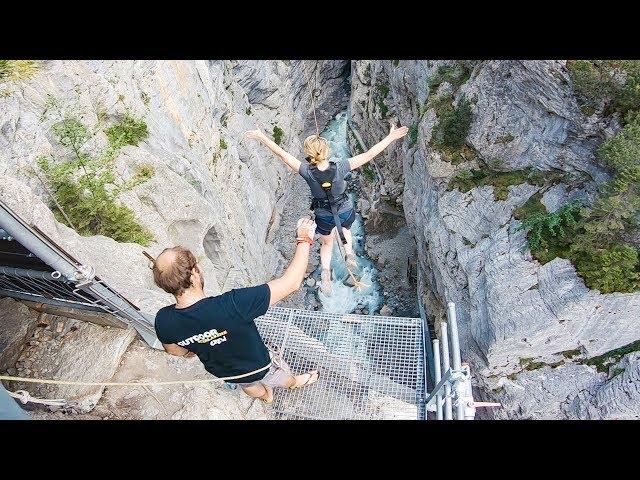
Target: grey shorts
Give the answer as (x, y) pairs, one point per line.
(278, 375)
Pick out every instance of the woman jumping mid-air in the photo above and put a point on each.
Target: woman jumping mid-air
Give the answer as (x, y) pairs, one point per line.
(320, 170)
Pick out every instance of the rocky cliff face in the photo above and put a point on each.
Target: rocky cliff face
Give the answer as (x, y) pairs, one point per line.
(526, 327)
(212, 191)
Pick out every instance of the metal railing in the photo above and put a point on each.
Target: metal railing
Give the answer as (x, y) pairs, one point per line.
(67, 283)
(372, 367)
(453, 390)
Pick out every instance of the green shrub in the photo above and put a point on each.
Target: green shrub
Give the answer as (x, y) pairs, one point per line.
(628, 95)
(85, 186)
(128, 131)
(278, 134)
(367, 72)
(595, 82)
(17, 69)
(413, 134)
(248, 111)
(71, 133)
(600, 240)
(593, 246)
(453, 126)
(531, 207)
(368, 173)
(505, 139)
(623, 150)
(223, 144)
(456, 75)
(382, 91)
(590, 80)
(602, 362)
(145, 172)
(551, 231)
(465, 180)
(609, 270)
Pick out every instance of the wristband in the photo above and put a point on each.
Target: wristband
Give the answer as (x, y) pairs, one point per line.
(306, 240)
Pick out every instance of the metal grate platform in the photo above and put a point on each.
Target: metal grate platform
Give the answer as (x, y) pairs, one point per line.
(370, 366)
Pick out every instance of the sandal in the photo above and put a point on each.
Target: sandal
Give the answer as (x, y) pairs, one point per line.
(306, 383)
(267, 400)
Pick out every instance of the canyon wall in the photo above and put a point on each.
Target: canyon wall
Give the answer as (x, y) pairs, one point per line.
(527, 329)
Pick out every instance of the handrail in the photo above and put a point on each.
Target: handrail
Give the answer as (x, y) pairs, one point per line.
(453, 379)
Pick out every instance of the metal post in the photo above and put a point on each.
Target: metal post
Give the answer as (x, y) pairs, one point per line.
(467, 398)
(436, 363)
(429, 364)
(448, 414)
(27, 273)
(23, 234)
(456, 362)
(455, 343)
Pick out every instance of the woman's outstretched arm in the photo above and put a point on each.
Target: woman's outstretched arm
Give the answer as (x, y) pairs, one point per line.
(279, 152)
(394, 134)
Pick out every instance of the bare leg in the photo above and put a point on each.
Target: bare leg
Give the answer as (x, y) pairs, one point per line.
(351, 261)
(304, 379)
(326, 247)
(260, 391)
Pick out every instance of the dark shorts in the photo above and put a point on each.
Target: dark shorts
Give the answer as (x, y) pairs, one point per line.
(326, 224)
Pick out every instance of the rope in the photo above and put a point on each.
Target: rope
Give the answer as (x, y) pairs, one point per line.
(49, 381)
(23, 396)
(360, 285)
(313, 103)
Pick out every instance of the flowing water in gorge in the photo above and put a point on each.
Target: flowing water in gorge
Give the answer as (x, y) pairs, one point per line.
(345, 299)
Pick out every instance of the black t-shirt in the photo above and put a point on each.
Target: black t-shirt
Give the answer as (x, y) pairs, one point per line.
(221, 331)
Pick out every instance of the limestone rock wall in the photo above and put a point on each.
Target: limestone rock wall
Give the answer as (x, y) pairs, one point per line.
(514, 314)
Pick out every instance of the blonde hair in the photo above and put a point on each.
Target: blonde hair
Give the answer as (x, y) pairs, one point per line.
(316, 148)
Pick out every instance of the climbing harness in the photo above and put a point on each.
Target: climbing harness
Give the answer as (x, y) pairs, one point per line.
(325, 179)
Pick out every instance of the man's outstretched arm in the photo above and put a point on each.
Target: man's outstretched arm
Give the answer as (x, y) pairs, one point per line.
(292, 277)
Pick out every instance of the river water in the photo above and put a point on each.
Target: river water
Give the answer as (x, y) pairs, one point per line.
(346, 299)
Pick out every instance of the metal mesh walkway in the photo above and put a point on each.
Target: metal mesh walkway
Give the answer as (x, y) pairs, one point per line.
(370, 366)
